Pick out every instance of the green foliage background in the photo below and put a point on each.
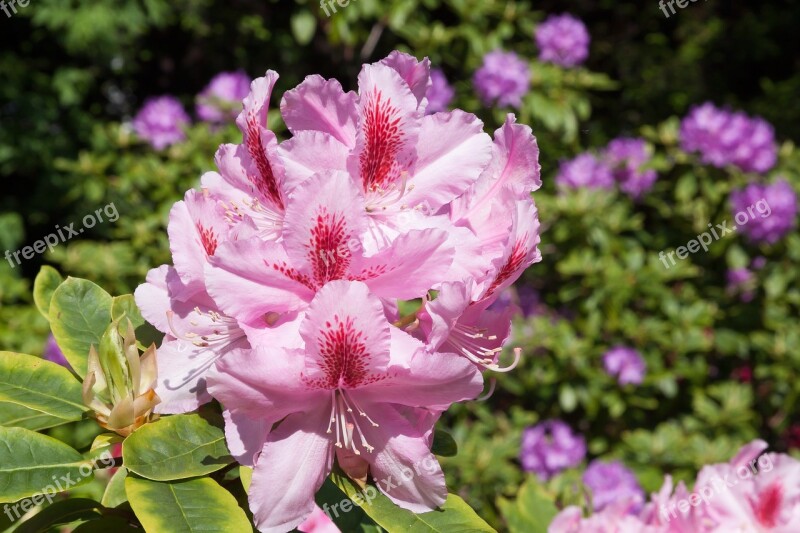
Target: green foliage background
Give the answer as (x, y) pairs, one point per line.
(73, 73)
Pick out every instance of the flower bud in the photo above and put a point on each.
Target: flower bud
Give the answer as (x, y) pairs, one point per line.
(119, 384)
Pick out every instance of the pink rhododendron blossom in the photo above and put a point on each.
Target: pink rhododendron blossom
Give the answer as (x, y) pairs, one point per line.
(753, 492)
(289, 264)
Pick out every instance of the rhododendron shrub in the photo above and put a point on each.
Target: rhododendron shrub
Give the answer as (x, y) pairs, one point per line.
(330, 296)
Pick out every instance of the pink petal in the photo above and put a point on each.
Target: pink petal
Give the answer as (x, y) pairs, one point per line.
(452, 152)
(197, 226)
(321, 105)
(309, 153)
(323, 223)
(514, 167)
(414, 263)
(249, 279)
(402, 464)
(245, 436)
(416, 74)
(264, 383)
(293, 464)
(346, 336)
(446, 309)
(388, 128)
(182, 370)
(418, 378)
(521, 248)
(259, 157)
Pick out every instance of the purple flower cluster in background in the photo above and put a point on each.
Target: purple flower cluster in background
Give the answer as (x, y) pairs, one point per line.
(741, 281)
(626, 364)
(586, 170)
(621, 162)
(729, 138)
(612, 482)
(550, 447)
(782, 215)
(439, 94)
(53, 353)
(626, 156)
(161, 121)
(221, 99)
(504, 78)
(563, 40)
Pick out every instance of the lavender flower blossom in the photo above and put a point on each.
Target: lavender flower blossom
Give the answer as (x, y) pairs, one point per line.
(160, 121)
(439, 94)
(504, 78)
(550, 447)
(626, 364)
(222, 97)
(53, 353)
(612, 482)
(626, 156)
(726, 138)
(563, 40)
(586, 170)
(775, 211)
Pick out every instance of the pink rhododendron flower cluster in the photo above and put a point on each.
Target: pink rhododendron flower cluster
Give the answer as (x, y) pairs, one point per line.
(755, 491)
(289, 263)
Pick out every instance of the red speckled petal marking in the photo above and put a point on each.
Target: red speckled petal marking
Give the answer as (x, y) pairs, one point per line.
(383, 141)
(208, 238)
(265, 182)
(512, 264)
(328, 250)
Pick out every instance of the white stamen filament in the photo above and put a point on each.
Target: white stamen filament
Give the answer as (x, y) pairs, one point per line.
(343, 408)
(463, 339)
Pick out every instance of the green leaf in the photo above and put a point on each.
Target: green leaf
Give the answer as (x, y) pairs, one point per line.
(444, 444)
(126, 306)
(304, 24)
(454, 515)
(60, 513)
(115, 490)
(531, 512)
(185, 506)
(177, 447)
(47, 281)
(246, 476)
(80, 312)
(32, 463)
(116, 524)
(330, 497)
(37, 394)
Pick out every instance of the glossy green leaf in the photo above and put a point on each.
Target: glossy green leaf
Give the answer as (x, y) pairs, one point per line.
(177, 447)
(80, 312)
(185, 506)
(60, 513)
(531, 512)
(32, 463)
(444, 444)
(107, 524)
(454, 515)
(47, 281)
(115, 490)
(246, 476)
(126, 306)
(37, 394)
